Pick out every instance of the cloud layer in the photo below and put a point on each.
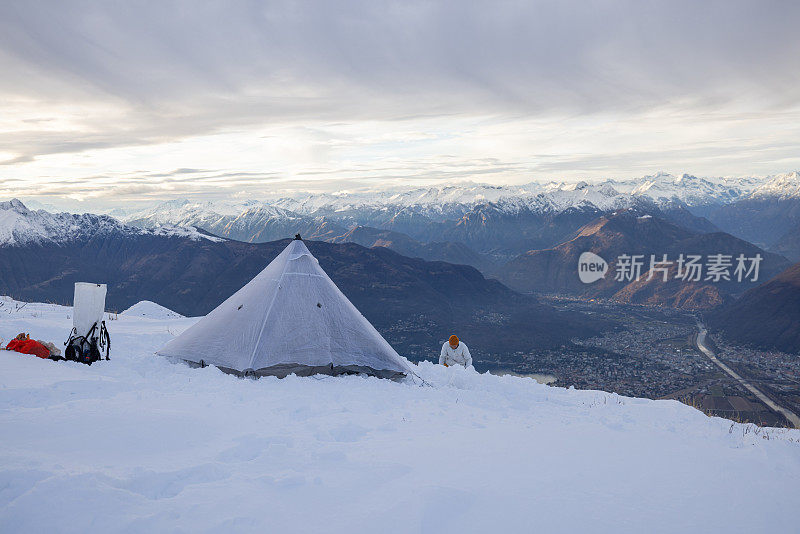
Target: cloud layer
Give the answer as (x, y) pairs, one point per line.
(108, 96)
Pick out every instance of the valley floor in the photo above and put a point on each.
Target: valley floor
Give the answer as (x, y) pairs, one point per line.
(654, 354)
(140, 444)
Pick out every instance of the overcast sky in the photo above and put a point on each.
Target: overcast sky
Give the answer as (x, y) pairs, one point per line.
(143, 101)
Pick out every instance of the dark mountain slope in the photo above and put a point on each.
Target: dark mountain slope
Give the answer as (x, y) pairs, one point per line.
(789, 244)
(766, 316)
(555, 269)
(493, 230)
(448, 251)
(679, 214)
(759, 220)
(627, 232)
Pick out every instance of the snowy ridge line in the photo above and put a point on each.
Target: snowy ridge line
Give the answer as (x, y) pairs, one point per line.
(21, 226)
(454, 201)
(660, 188)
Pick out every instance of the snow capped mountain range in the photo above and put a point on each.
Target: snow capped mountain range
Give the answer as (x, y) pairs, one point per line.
(481, 216)
(447, 201)
(454, 201)
(21, 226)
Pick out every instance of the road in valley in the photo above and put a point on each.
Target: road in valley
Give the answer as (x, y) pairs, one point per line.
(701, 344)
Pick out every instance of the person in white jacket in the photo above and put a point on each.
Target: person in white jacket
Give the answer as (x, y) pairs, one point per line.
(455, 352)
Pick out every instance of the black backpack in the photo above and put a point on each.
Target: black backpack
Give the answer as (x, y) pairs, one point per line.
(87, 349)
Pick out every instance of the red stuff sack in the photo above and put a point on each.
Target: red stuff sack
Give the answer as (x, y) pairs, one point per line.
(28, 346)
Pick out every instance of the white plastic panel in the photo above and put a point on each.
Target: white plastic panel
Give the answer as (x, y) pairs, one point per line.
(88, 305)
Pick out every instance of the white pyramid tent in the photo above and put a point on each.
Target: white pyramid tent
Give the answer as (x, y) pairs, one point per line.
(290, 318)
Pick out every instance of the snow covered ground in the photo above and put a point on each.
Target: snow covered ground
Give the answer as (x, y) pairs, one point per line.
(146, 308)
(140, 444)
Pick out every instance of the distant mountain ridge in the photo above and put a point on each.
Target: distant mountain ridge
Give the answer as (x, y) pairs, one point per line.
(486, 225)
(454, 201)
(497, 222)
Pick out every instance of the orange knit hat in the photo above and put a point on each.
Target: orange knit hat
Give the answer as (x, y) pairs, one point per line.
(454, 340)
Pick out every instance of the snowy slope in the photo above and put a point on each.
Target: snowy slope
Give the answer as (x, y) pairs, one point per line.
(781, 186)
(21, 226)
(664, 187)
(183, 212)
(139, 444)
(242, 221)
(559, 197)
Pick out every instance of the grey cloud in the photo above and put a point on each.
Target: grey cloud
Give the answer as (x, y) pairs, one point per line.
(282, 58)
(213, 184)
(184, 68)
(176, 172)
(760, 158)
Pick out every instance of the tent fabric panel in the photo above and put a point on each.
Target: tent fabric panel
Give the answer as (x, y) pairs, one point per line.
(227, 335)
(313, 323)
